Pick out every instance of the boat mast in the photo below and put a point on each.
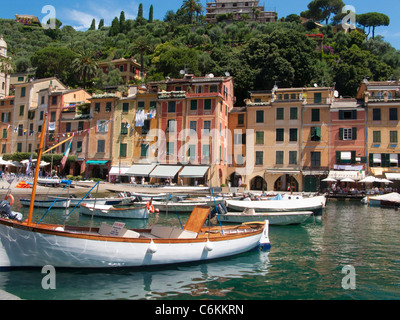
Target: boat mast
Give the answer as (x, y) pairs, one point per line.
(37, 169)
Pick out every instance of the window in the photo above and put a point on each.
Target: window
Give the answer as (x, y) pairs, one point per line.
(293, 134)
(207, 104)
(171, 126)
(41, 115)
(153, 104)
(4, 133)
(347, 133)
(68, 127)
(19, 147)
(293, 113)
(280, 113)
(192, 151)
(347, 115)
(259, 137)
(193, 104)
(20, 130)
(146, 127)
(144, 148)
(193, 127)
(170, 148)
(125, 107)
(54, 100)
(259, 158)
(279, 134)
(124, 128)
(3, 148)
(260, 116)
(23, 92)
(80, 125)
(101, 145)
(315, 133)
(207, 127)
(240, 118)
(108, 107)
(79, 146)
(141, 105)
(102, 126)
(97, 107)
(314, 115)
(292, 157)
(392, 113)
(279, 157)
(315, 159)
(171, 106)
(52, 116)
(376, 136)
(317, 97)
(376, 114)
(21, 110)
(393, 136)
(122, 149)
(213, 88)
(206, 151)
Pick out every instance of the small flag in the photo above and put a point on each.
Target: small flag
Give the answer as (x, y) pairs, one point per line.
(65, 156)
(29, 165)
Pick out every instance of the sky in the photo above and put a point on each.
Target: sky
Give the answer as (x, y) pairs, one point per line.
(79, 13)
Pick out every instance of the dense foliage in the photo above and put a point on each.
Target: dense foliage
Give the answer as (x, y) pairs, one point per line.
(258, 55)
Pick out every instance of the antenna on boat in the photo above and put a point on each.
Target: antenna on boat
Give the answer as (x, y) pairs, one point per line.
(37, 169)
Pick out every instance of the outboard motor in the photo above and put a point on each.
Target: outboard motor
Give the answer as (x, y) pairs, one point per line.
(5, 211)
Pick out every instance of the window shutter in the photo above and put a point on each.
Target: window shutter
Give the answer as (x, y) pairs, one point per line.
(338, 157)
(354, 114)
(371, 160)
(340, 133)
(353, 157)
(354, 133)
(341, 115)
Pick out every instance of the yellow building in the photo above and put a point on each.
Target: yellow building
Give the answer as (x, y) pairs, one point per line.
(382, 102)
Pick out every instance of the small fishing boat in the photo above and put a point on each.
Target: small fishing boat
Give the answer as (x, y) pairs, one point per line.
(186, 205)
(100, 201)
(274, 218)
(315, 204)
(109, 211)
(55, 203)
(385, 200)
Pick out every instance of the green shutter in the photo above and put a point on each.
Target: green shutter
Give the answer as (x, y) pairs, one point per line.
(354, 134)
(340, 133)
(338, 157)
(371, 159)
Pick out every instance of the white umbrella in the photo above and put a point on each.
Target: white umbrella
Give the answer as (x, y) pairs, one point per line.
(329, 179)
(369, 179)
(384, 181)
(347, 180)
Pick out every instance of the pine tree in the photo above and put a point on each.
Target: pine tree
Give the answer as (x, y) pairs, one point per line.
(93, 25)
(122, 23)
(101, 24)
(151, 14)
(114, 30)
(140, 11)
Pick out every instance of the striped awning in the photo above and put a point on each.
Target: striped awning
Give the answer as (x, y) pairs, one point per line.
(165, 171)
(140, 170)
(193, 171)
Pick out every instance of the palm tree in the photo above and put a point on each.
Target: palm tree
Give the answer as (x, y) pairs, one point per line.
(192, 6)
(142, 44)
(85, 65)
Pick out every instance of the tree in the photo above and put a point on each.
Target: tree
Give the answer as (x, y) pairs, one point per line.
(320, 10)
(140, 11)
(151, 14)
(85, 65)
(122, 22)
(115, 28)
(93, 25)
(192, 6)
(373, 20)
(101, 24)
(142, 44)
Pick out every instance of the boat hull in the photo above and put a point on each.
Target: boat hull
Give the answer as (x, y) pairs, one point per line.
(46, 203)
(184, 205)
(315, 204)
(274, 218)
(99, 201)
(112, 212)
(23, 246)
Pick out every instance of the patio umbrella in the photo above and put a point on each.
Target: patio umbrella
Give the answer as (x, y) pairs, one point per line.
(384, 181)
(329, 179)
(369, 179)
(347, 180)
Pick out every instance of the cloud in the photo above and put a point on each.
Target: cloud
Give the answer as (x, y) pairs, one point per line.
(104, 9)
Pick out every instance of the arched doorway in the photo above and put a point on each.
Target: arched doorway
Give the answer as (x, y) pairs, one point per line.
(258, 183)
(286, 183)
(235, 179)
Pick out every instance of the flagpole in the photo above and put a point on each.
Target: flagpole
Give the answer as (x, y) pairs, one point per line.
(37, 169)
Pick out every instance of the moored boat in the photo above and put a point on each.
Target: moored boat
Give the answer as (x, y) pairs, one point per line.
(385, 200)
(109, 211)
(100, 201)
(55, 203)
(315, 204)
(274, 218)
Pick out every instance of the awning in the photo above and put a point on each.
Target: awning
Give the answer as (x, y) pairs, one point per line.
(193, 171)
(392, 176)
(165, 171)
(377, 158)
(339, 175)
(115, 171)
(394, 158)
(140, 170)
(96, 161)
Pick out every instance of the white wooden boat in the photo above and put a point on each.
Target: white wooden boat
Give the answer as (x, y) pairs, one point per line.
(28, 245)
(100, 201)
(49, 181)
(186, 205)
(58, 203)
(274, 218)
(385, 200)
(315, 204)
(109, 211)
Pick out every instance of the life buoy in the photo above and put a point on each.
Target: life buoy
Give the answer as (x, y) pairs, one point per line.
(11, 198)
(150, 207)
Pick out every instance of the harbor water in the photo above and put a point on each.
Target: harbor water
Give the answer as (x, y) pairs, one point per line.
(349, 244)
